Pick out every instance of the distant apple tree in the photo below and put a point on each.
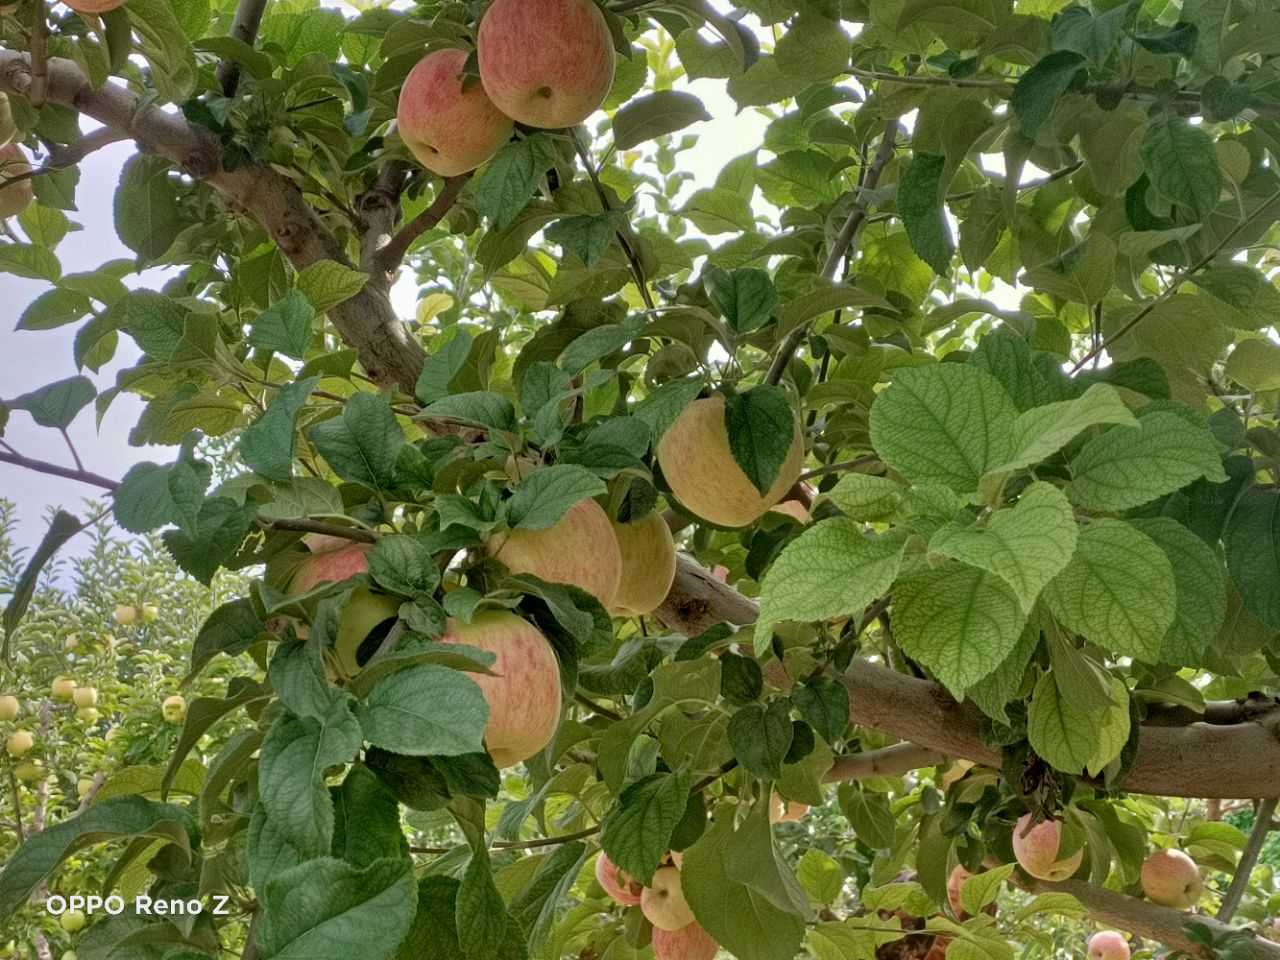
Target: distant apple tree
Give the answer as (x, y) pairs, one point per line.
(871, 551)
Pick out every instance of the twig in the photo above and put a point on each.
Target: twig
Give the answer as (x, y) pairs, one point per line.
(244, 27)
(596, 708)
(72, 447)
(522, 844)
(842, 244)
(839, 467)
(17, 806)
(251, 937)
(39, 58)
(389, 258)
(53, 469)
(326, 529)
(637, 269)
(1262, 825)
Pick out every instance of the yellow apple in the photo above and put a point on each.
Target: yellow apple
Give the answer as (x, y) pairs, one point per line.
(449, 125)
(71, 642)
(1036, 848)
(20, 741)
(72, 921)
(150, 613)
(126, 614)
(15, 197)
(648, 565)
(1172, 879)
(29, 770)
(663, 901)
(524, 693)
(9, 708)
(93, 6)
(690, 942)
(84, 785)
(579, 549)
(546, 63)
(84, 697)
(88, 714)
(174, 708)
(62, 688)
(705, 479)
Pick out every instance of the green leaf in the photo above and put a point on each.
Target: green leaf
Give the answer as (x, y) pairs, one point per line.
(326, 909)
(1042, 431)
(983, 888)
(636, 832)
(54, 308)
(655, 115)
(596, 343)
(1127, 467)
(366, 826)
(25, 260)
(1026, 545)
(1090, 36)
(545, 496)
(833, 569)
(481, 407)
(761, 427)
(62, 528)
(165, 45)
(821, 876)
(217, 533)
(1117, 592)
(125, 817)
(57, 404)
(719, 210)
(147, 213)
(267, 446)
(285, 326)
(44, 226)
(587, 237)
(959, 621)
(434, 933)
(1059, 731)
(481, 915)
(1201, 604)
(1181, 39)
(403, 564)
(1255, 365)
(994, 691)
(824, 704)
(1252, 539)
(361, 445)
(869, 814)
(1182, 165)
(1038, 90)
(745, 297)
(944, 423)
(861, 496)
(511, 179)
(920, 203)
(425, 710)
(761, 736)
(327, 283)
(538, 905)
(439, 369)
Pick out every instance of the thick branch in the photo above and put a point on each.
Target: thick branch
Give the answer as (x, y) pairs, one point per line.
(388, 259)
(887, 762)
(698, 600)
(245, 29)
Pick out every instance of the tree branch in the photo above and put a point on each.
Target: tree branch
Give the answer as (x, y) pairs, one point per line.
(887, 762)
(1262, 825)
(388, 259)
(53, 469)
(244, 28)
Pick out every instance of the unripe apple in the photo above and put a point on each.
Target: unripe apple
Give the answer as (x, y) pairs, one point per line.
(523, 693)
(699, 467)
(9, 708)
(1037, 850)
(88, 714)
(68, 955)
(150, 613)
(20, 741)
(126, 614)
(174, 708)
(15, 197)
(71, 642)
(1172, 879)
(663, 900)
(449, 125)
(955, 881)
(29, 770)
(1108, 945)
(648, 565)
(546, 63)
(365, 612)
(688, 943)
(93, 6)
(84, 696)
(84, 785)
(62, 688)
(579, 549)
(72, 921)
(617, 883)
(786, 811)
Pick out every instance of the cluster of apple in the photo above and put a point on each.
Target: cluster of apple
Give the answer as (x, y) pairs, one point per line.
(543, 63)
(676, 934)
(127, 614)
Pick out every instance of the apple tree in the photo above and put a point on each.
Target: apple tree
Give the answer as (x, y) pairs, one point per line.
(868, 549)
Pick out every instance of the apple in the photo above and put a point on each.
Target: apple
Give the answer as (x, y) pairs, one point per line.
(126, 614)
(785, 811)
(93, 6)
(68, 955)
(648, 565)
(523, 693)
(72, 921)
(150, 613)
(71, 642)
(663, 900)
(332, 559)
(617, 883)
(1172, 879)
(88, 714)
(955, 881)
(705, 478)
(449, 125)
(20, 741)
(84, 697)
(1037, 850)
(111, 734)
(174, 708)
(15, 197)
(690, 942)
(84, 785)
(9, 708)
(29, 770)
(1108, 945)
(546, 63)
(62, 688)
(579, 549)
(364, 613)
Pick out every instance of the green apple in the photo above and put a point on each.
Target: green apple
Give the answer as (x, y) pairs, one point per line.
(29, 770)
(174, 708)
(84, 697)
(84, 785)
(150, 613)
(9, 708)
(366, 617)
(88, 714)
(61, 688)
(71, 642)
(73, 921)
(126, 614)
(20, 741)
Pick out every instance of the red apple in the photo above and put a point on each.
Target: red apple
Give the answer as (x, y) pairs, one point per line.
(15, 197)
(1037, 850)
(546, 63)
(955, 881)
(580, 549)
(648, 565)
(1172, 879)
(699, 466)
(617, 883)
(524, 693)
(332, 559)
(450, 126)
(690, 942)
(93, 6)
(1108, 945)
